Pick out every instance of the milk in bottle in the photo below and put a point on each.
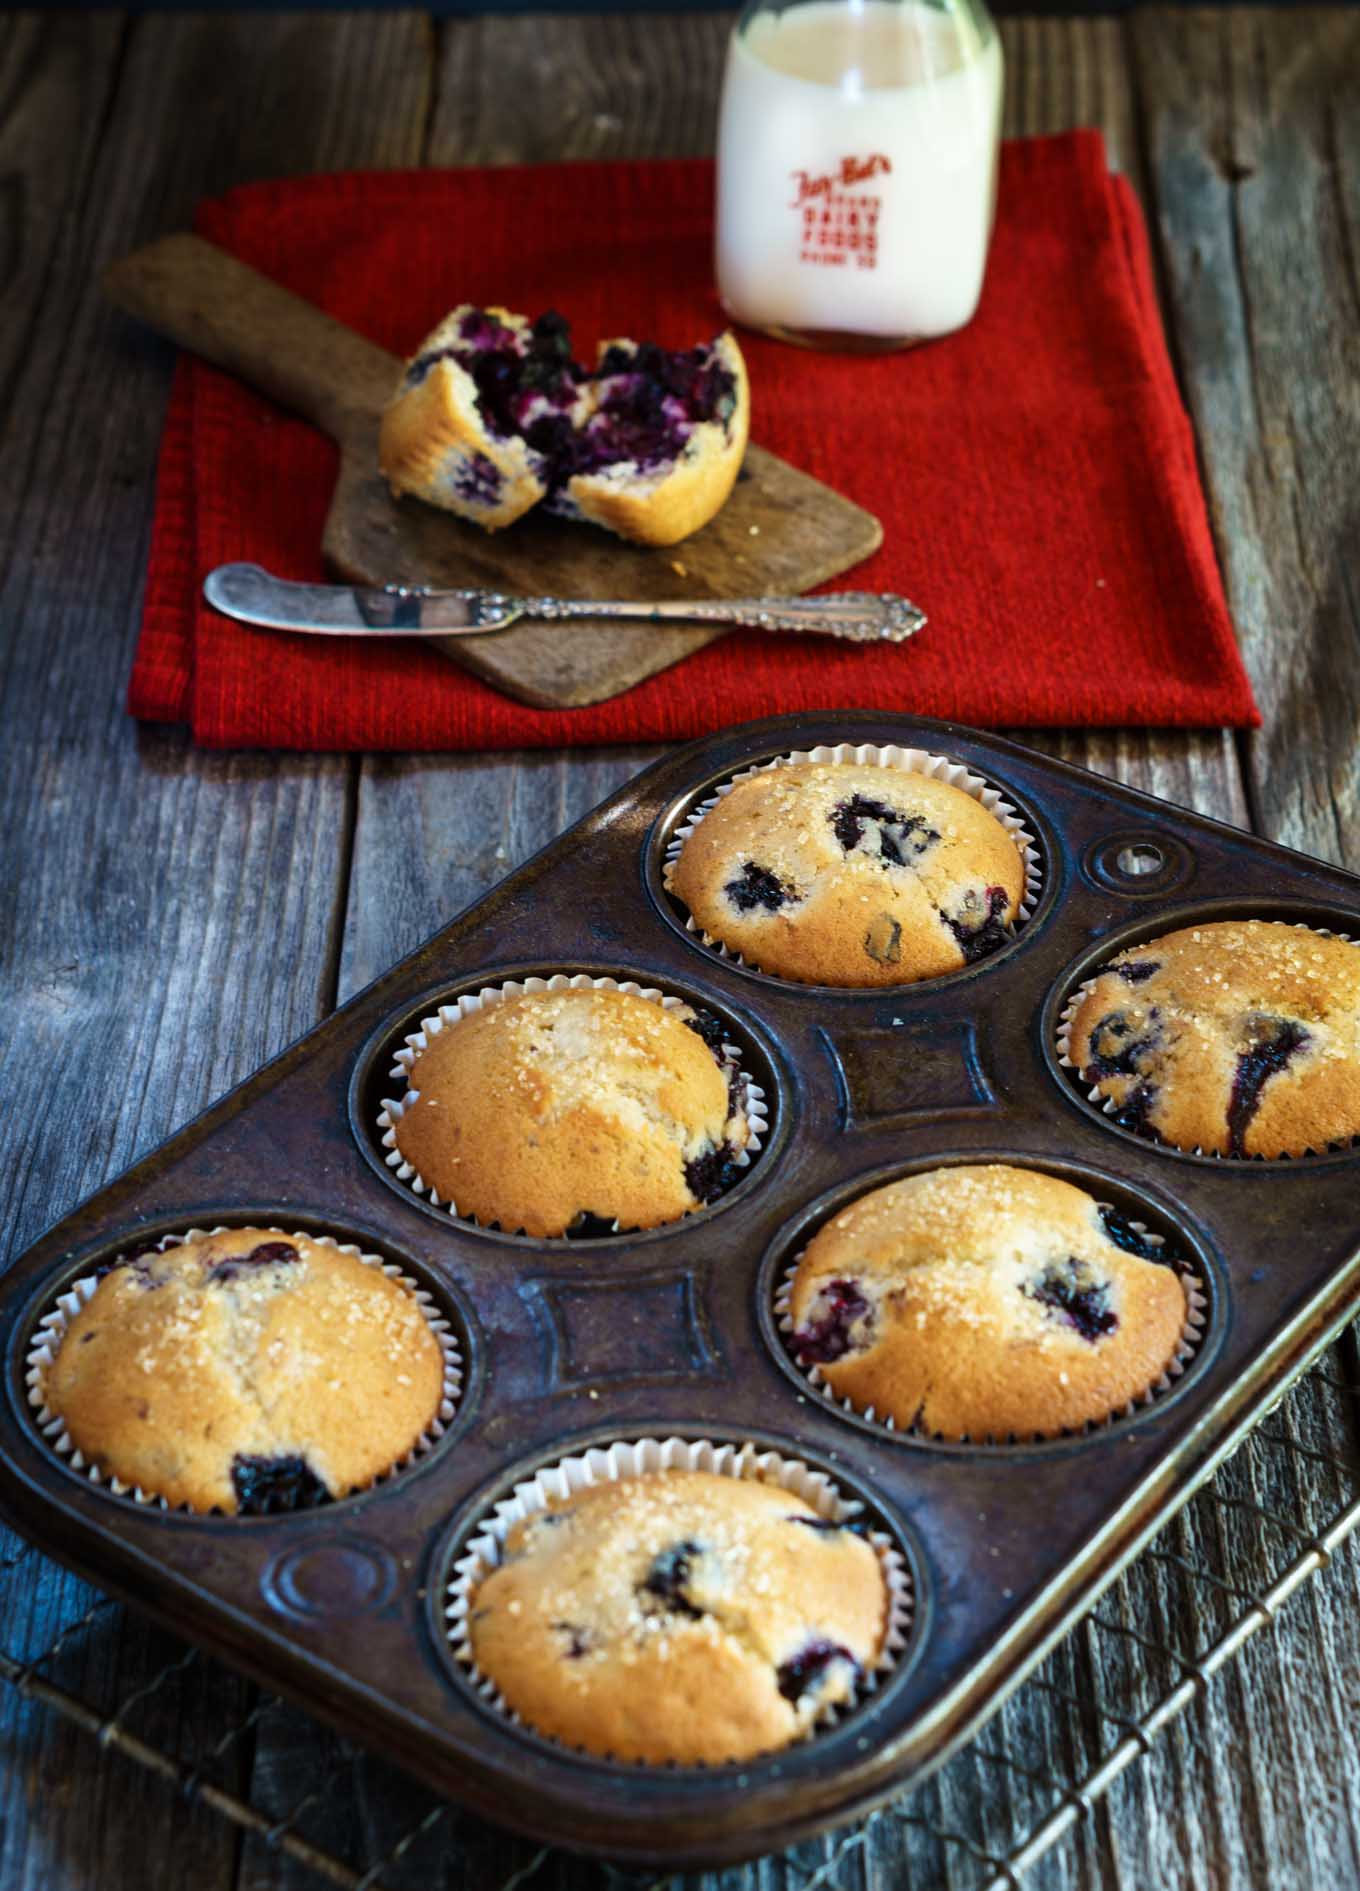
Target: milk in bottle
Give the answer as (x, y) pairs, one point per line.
(857, 152)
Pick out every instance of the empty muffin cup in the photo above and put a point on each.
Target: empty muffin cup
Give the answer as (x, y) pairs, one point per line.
(976, 921)
(638, 1632)
(263, 1484)
(702, 1176)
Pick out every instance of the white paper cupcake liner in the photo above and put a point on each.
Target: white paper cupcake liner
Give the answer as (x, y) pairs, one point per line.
(1107, 1106)
(864, 754)
(604, 1464)
(394, 1108)
(1192, 1337)
(48, 1334)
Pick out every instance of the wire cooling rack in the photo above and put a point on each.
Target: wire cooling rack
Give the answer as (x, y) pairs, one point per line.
(1221, 1571)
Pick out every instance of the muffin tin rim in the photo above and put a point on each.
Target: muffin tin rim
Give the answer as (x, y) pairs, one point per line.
(365, 1071)
(1140, 931)
(75, 1265)
(1052, 881)
(794, 1234)
(463, 1523)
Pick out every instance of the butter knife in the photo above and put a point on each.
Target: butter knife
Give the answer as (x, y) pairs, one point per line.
(253, 595)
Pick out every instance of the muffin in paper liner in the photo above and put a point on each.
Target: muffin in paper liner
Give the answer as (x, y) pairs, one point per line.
(1192, 1337)
(392, 1109)
(1107, 1106)
(47, 1337)
(481, 1553)
(864, 754)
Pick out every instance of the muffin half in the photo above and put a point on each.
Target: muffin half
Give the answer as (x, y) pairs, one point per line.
(454, 433)
(492, 415)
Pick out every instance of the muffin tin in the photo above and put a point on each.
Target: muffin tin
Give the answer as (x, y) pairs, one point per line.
(570, 1344)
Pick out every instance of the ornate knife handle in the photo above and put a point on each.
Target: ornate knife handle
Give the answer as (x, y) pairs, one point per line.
(858, 616)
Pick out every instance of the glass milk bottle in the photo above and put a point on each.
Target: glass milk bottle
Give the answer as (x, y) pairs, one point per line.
(857, 150)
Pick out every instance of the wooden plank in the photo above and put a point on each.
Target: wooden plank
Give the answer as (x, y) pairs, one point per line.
(171, 918)
(1197, 768)
(1254, 199)
(79, 912)
(1061, 73)
(435, 833)
(515, 90)
(1213, 1804)
(1251, 124)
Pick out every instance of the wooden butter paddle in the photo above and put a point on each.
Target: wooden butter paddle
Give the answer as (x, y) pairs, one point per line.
(781, 531)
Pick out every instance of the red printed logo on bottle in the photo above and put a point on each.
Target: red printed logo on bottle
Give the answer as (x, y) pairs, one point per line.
(840, 228)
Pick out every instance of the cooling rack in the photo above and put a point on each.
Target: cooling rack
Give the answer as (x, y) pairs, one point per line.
(1278, 1513)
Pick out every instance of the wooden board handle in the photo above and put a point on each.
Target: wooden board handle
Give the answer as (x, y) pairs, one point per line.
(205, 300)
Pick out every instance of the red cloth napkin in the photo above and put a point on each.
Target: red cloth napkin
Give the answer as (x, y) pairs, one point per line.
(1035, 474)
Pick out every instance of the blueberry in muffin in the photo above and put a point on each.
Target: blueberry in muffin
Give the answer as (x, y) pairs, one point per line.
(493, 416)
(246, 1371)
(1240, 1038)
(844, 873)
(986, 1301)
(566, 1112)
(679, 1616)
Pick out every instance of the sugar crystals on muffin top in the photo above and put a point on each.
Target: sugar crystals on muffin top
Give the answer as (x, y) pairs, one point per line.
(851, 874)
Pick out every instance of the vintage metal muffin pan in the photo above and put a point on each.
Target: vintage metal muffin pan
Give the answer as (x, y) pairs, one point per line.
(567, 1344)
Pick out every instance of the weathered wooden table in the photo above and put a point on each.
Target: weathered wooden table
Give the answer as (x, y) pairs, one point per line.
(171, 919)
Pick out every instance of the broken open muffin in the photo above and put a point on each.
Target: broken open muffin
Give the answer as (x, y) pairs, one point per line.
(985, 1302)
(680, 1617)
(246, 1371)
(844, 873)
(1239, 1038)
(573, 1111)
(493, 416)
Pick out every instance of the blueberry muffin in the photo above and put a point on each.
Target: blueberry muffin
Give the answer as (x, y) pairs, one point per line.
(567, 1111)
(1240, 1038)
(679, 1616)
(844, 873)
(986, 1302)
(246, 1371)
(492, 416)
